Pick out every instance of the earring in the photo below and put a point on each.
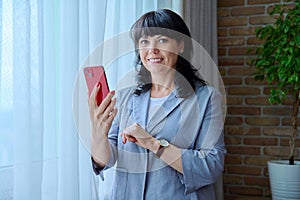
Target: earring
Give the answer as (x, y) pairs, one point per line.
(181, 51)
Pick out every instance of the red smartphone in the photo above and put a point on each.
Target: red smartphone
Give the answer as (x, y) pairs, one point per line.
(94, 75)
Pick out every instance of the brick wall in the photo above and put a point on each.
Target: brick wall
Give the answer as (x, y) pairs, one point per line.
(255, 131)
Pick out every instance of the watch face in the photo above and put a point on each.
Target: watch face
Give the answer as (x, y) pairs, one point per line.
(163, 142)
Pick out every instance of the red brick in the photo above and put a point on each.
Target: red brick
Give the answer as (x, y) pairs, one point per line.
(230, 41)
(234, 130)
(242, 31)
(258, 161)
(277, 131)
(286, 142)
(233, 120)
(240, 71)
(261, 20)
(257, 101)
(233, 159)
(247, 10)
(254, 41)
(244, 170)
(222, 32)
(243, 110)
(288, 101)
(252, 81)
(222, 51)
(288, 121)
(233, 179)
(260, 141)
(246, 190)
(243, 91)
(232, 21)
(242, 51)
(232, 140)
(262, 121)
(238, 197)
(251, 2)
(223, 12)
(278, 111)
(230, 3)
(234, 100)
(257, 181)
(230, 61)
(232, 81)
(282, 152)
(243, 150)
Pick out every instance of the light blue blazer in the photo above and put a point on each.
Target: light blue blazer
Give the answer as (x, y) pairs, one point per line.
(194, 124)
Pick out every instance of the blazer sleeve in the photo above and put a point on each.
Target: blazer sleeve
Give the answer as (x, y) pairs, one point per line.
(204, 163)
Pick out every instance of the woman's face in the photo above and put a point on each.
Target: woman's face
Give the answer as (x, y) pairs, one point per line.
(159, 53)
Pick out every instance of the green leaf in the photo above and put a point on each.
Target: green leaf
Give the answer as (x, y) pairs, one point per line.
(286, 29)
(298, 40)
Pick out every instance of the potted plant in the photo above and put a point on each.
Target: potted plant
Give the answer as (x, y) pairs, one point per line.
(278, 63)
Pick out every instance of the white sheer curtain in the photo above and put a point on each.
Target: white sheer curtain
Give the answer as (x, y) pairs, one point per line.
(43, 45)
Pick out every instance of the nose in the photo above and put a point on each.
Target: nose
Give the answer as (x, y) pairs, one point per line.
(153, 50)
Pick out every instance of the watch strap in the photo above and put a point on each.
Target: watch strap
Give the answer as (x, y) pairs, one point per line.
(160, 151)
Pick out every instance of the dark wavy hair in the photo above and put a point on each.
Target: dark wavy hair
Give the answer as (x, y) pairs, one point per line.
(168, 23)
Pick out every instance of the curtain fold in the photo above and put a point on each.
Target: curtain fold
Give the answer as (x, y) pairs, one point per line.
(201, 17)
(26, 103)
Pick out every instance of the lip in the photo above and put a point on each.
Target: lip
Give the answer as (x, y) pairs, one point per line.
(155, 60)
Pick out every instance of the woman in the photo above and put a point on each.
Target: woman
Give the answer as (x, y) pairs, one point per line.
(165, 135)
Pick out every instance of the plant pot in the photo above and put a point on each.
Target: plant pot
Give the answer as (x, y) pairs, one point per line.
(284, 179)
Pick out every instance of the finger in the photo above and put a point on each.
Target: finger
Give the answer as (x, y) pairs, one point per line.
(106, 101)
(113, 114)
(123, 138)
(132, 139)
(92, 97)
(128, 137)
(111, 117)
(109, 110)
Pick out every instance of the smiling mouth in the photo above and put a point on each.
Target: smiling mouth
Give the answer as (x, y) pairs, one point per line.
(155, 60)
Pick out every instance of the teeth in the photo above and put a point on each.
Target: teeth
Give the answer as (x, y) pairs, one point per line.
(155, 59)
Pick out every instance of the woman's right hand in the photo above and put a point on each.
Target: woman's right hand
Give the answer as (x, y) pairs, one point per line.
(101, 118)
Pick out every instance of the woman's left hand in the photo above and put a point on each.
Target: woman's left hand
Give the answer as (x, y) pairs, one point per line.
(135, 133)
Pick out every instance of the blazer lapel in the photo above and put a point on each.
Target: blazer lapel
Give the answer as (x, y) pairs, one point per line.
(171, 103)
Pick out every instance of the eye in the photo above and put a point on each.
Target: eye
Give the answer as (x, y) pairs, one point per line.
(163, 40)
(143, 42)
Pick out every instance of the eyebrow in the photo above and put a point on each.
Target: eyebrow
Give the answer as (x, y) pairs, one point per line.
(155, 36)
(160, 36)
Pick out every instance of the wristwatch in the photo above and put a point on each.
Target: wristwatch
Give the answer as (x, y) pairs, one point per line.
(163, 143)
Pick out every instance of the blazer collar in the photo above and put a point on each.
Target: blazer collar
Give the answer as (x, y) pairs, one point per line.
(141, 106)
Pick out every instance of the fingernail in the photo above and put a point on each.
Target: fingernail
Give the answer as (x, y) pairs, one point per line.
(112, 92)
(98, 84)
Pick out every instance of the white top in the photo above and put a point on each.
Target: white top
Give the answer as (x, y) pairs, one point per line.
(154, 105)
